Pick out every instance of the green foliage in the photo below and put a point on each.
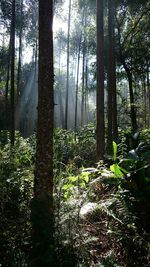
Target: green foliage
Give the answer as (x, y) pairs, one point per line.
(115, 151)
(115, 168)
(75, 146)
(132, 201)
(16, 183)
(3, 64)
(120, 192)
(74, 184)
(145, 135)
(110, 260)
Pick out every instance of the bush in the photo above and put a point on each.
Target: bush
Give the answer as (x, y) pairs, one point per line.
(16, 183)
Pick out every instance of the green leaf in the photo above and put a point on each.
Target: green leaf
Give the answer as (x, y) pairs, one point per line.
(123, 170)
(85, 177)
(116, 170)
(115, 150)
(83, 185)
(67, 186)
(73, 178)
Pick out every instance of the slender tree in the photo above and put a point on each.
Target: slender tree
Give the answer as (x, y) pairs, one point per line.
(86, 88)
(127, 39)
(100, 82)
(77, 81)
(112, 102)
(83, 71)
(20, 50)
(68, 57)
(44, 158)
(148, 89)
(7, 86)
(42, 204)
(12, 63)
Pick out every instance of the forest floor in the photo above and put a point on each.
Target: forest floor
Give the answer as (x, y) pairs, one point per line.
(102, 215)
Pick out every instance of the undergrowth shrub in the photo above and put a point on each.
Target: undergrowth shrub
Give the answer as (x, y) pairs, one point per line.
(16, 183)
(117, 233)
(132, 205)
(79, 147)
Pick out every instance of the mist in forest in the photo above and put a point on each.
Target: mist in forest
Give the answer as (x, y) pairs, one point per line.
(26, 111)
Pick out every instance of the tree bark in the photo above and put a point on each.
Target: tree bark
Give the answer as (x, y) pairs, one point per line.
(77, 83)
(130, 82)
(83, 80)
(7, 88)
(44, 154)
(42, 210)
(86, 91)
(12, 89)
(144, 101)
(148, 90)
(68, 56)
(20, 51)
(100, 128)
(132, 102)
(112, 99)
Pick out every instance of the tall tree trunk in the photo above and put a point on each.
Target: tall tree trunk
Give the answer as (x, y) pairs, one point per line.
(100, 129)
(110, 80)
(36, 59)
(20, 51)
(77, 74)
(7, 87)
(144, 101)
(77, 83)
(42, 214)
(83, 82)
(130, 82)
(61, 104)
(112, 102)
(44, 159)
(83, 68)
(132, 102)
(86, 91)
(68, 56)
(148, 91)
(12, 91)
(60, 93)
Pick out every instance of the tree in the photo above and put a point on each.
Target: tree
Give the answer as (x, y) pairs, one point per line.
(100, 128)
(42, 204)
(12, 60)
(148, 90)
(7, 86)
(112, 103)
(32, 17)
(77, 76)
(83, 65)
(68, 58)
(128, 34)
(20, 50)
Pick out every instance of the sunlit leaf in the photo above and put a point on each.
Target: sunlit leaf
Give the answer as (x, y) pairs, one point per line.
(85, 177)
(115, 150)
(67, 186)
(72, 178)
(116, 170)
